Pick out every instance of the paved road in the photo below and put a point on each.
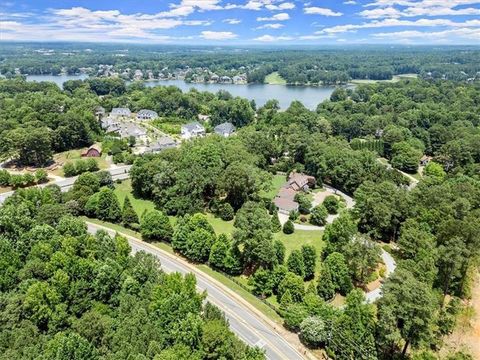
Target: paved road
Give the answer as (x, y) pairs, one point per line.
(118, 173)
(244, 322)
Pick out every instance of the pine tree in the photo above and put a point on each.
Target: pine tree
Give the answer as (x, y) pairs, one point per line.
(276, 225)
(129, 216)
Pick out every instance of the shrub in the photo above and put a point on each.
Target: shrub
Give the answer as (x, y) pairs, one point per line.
(331, 204)
(319, 216)
(155, 226)
(226, 212)
(41, 176)
(313, 331)
(288, 227)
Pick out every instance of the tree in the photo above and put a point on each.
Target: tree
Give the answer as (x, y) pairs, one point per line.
(406, 157)
(362, 257)
(129, 216)
(276, 225)
(331, 203)
(319, 215)
(155, 226)
(313, 331)
(295, 263)
(294, 284)
(199, 244)
(304, 204)
(279, 249)
(226, 212)
(309, 255)
(338, 269)
(288, 227)
(262, 283)
(108, 207)
(408, 307)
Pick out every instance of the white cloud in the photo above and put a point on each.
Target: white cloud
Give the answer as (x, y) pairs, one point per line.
(271, 26)
(282, 6)
(232, 21)
(399, 23)
(218, 35)
(409, 8)
(314, 10)
(276, 17)
(270, 38)
(467, 34)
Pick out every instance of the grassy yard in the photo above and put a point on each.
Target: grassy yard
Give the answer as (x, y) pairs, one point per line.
(394, 79)
(139, 205)
(275, 79)
(277, 182)
(72, 156)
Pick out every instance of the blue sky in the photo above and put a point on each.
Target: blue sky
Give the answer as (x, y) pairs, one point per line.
(241, 22)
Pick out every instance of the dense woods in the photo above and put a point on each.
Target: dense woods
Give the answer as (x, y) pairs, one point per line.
(329, 65)
(66, 294)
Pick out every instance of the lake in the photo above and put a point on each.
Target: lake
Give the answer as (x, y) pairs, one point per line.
(310, 96)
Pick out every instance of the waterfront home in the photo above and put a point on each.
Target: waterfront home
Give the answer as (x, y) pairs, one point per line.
(121, 113)
(191, 130)
(225, 129)
(145, 114)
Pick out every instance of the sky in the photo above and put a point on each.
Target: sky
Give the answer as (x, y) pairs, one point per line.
(242, 22)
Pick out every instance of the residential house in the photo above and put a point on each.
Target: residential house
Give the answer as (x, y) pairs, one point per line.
(164, 142)
(225, 129)
(191, 130)
(110, 124)
(145, 114)
(121, 113)
(92, 151)
(131, 130)
(299, 181)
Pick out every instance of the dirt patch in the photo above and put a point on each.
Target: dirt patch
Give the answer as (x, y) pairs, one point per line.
(466, 335)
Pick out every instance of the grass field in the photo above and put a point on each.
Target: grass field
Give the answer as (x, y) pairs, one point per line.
(394, 79)
(139, 205)
(277, 182)
(72, 156)
(275, 79)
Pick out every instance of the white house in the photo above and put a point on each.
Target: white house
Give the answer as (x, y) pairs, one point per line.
(121, 112)
(225, 129)
(191, 130)
(145, 114)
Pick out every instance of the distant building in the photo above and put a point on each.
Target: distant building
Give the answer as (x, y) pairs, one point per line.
(165, 142)
(121, 112)
(110, 124)
(225, 129)
(425, 160)
(92, 151)
(132, 130)
(145, 114)
(191, 130)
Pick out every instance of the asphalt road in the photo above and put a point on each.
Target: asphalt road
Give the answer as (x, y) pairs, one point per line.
(244, 322)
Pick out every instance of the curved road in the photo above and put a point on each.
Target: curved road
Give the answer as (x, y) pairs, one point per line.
(249, 325)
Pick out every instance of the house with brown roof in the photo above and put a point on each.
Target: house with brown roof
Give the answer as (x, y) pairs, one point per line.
(92, 151)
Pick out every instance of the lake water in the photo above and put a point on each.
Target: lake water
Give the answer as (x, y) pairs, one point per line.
(310, 96)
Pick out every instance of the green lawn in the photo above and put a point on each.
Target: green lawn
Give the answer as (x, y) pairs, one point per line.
(275, 79)
(277, 182)
(302, 237)
(139, 205)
